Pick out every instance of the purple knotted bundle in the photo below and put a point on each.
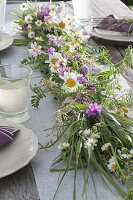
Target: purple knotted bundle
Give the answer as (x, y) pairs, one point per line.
(7, 134)
(110, 23)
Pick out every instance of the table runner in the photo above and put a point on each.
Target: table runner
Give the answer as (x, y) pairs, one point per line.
(44, 118)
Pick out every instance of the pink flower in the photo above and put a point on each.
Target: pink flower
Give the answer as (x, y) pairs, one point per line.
(93, 109)
(35, 49)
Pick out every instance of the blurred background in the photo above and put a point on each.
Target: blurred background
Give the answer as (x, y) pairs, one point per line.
(127, 2)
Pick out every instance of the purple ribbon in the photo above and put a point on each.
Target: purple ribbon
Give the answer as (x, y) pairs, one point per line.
(7, 134)
(110, 23)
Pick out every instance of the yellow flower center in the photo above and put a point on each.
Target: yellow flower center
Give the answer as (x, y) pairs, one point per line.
(53, 85)
(55, 68)
(71, 82)
(62, 25)
(62, 61)
(125, 109)
(114, 166)
(54, 60)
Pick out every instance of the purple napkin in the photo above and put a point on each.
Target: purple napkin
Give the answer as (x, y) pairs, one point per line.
(110, 23)
(7, 134)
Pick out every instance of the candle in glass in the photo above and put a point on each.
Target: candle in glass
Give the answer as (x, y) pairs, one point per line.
(2, 13)
(14, 87)
(83, 10)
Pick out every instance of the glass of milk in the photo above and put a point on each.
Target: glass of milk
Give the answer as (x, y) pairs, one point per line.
(2, 13)
(83, 11)
(14, 88)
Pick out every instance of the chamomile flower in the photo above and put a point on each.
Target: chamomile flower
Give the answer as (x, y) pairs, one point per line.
(95, 136)
(106, 146)
(54, 68)
(87, 132)
(28, 19)
(63, 61)
(63, 145)
(38, 23)
(23, 7)
(54, 58)
(90, 143)
(112, 165)
(62, 25)
(39, 39)
(71, 81)
(31, 34)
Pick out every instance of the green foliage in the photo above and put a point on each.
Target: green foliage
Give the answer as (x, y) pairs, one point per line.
(39, 94)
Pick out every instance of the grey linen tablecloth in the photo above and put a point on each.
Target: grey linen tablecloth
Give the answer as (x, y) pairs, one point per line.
(43, 118)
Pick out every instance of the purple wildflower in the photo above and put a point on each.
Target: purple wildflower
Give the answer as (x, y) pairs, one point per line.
(82, 97)
(52, 40)
(90, 87)
(35, 49)
(61, 70)
(51, 50)
(44, 12)
(85, 70)
(81, 79)
(93, 109)
(55, 41)
(76, 57)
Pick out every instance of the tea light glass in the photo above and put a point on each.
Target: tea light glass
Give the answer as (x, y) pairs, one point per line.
(14, 88)
(83, 11)
(2, 13)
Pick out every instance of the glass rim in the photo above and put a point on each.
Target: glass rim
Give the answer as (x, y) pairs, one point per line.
(28, 72)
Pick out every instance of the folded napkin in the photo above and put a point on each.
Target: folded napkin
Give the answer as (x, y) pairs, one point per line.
(7, 134)
(110, 23)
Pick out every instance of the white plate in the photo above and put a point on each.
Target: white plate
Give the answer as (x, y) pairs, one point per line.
(18, 153)
(111, 36)
(5, 40)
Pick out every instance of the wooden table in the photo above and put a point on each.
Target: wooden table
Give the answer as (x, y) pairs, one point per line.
(35, 182)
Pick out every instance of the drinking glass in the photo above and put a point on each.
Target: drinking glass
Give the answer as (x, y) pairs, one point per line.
(83, 11)
(14, 87)
(2, 13)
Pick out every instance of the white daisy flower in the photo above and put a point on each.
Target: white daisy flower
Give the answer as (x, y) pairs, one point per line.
(95, 136)
(70, 79)
(38, 23)
(39, 39)
(87, 132)
(54, 58)
(91, 143)
(31, 34)
(54, 68)
(106, 146)
(112, 165)
(63, 61)
(23, 7)
(63, 145)
(28, 19)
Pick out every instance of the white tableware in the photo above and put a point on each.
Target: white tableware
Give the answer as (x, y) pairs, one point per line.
(2, 13)
(112, 36)
(14, 87)
(83, 11)
(18, 153)
(5, 40)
